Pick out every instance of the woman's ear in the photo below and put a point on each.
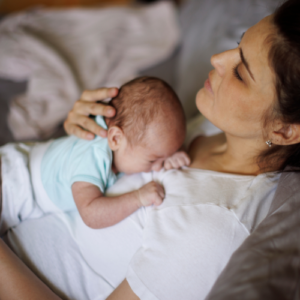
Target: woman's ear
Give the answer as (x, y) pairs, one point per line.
(115, 137)
(285, 134)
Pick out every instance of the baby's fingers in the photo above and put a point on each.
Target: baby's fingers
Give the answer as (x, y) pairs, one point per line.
(181, 161)
(159, 195)
(177, 160)
(186, 159)
(172, 163)
(167, 164)
(160, 191)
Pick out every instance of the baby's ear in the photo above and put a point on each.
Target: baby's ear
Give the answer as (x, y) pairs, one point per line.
(115, 137)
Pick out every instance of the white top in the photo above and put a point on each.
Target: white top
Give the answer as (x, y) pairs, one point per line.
(188, 240)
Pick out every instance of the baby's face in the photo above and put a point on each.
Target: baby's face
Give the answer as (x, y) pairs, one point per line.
(137, 159)
(147, 156)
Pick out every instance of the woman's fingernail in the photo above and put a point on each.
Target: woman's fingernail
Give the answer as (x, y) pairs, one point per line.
(90, 136)
(110, 111)
(102, 132)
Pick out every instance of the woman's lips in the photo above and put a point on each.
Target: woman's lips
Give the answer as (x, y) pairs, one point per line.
(207, 85)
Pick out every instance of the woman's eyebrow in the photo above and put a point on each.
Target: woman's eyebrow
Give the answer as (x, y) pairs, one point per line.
(244, 61)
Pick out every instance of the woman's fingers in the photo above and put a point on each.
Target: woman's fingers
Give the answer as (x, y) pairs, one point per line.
(83, 127)
(78, 131)
(99, 94)
(78, 121)
(92, 108)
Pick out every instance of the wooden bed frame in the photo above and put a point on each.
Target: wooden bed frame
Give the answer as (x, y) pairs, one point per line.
(8, 6)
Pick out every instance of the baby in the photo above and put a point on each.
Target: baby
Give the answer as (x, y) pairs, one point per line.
(148, 128)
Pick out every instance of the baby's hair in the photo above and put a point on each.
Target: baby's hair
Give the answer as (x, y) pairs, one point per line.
(143, 100)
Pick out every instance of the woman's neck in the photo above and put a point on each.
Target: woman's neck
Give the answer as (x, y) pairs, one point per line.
(228, 154)
(237, 155)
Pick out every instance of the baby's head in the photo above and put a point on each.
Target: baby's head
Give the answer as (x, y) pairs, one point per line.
(148, 127)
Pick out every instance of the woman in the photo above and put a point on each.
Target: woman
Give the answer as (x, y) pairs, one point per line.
(251, 95)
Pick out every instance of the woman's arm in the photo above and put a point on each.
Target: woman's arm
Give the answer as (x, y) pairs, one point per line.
(17, 281)
(78, 121)
(123, 292)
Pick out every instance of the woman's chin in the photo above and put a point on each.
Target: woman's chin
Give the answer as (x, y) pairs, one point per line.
(202, 101)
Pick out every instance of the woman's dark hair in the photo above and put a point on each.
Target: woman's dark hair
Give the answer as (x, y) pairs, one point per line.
(284, 58)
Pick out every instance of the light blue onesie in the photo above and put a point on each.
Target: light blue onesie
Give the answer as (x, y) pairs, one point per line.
(70, 159)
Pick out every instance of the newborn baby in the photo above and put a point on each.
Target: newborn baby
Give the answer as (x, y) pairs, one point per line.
(148, 128)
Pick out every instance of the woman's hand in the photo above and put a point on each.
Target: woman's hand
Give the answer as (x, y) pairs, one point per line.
(177, 160)
(78, 121)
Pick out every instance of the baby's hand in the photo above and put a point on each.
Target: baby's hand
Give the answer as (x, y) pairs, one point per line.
(151, 193)
(177, 160)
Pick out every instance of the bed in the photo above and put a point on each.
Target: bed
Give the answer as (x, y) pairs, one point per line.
(267, 264)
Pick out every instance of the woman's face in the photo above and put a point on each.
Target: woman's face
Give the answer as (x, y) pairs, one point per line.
(241, 88)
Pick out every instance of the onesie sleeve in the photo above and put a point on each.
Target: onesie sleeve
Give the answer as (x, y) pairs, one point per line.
(92, 164)
(184, 250)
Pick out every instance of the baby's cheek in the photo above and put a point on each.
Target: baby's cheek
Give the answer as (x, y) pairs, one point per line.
(143, 168)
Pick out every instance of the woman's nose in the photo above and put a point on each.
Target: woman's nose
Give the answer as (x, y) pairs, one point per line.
(222, 60)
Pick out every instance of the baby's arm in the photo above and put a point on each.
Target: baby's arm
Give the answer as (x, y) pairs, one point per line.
(98, 211)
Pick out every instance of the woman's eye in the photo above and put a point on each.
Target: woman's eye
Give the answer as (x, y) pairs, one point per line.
(236, 73)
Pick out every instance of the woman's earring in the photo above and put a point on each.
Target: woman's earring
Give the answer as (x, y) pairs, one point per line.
(269, 143)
